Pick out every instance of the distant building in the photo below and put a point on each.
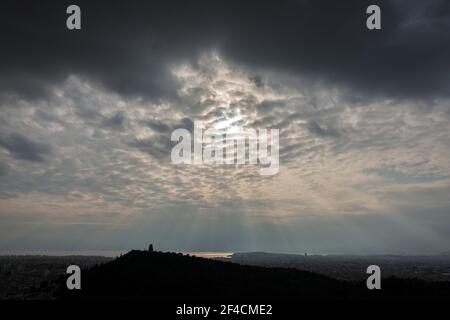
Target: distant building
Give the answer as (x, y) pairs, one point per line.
(150, 248)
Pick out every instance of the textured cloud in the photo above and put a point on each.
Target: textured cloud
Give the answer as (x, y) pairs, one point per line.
(86, 120)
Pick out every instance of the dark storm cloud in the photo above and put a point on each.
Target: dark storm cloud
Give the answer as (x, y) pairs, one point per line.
(4, 169)
(257, 80)
(267, 106)
(315, 128)
(48, 117)
(159, 126)
(22, 148)
(116, 122)
(130, 47)
(159, 146)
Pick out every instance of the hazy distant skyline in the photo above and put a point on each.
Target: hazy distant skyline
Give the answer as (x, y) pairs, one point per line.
(364, 118)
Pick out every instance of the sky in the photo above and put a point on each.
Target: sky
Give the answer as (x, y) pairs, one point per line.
(86, 118)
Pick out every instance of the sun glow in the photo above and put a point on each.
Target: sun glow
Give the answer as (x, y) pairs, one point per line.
(230, 123)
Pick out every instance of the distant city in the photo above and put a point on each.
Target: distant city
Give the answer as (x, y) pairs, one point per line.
(33, 276)
(353, 267)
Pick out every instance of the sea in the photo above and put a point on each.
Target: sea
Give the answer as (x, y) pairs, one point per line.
(102, 253)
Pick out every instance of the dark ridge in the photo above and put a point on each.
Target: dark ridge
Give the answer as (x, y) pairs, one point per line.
(173, 276)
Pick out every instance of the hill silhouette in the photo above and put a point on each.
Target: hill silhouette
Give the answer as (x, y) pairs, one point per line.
(173, 276)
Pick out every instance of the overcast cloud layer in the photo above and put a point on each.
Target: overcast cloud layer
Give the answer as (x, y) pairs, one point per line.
(86, 119)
